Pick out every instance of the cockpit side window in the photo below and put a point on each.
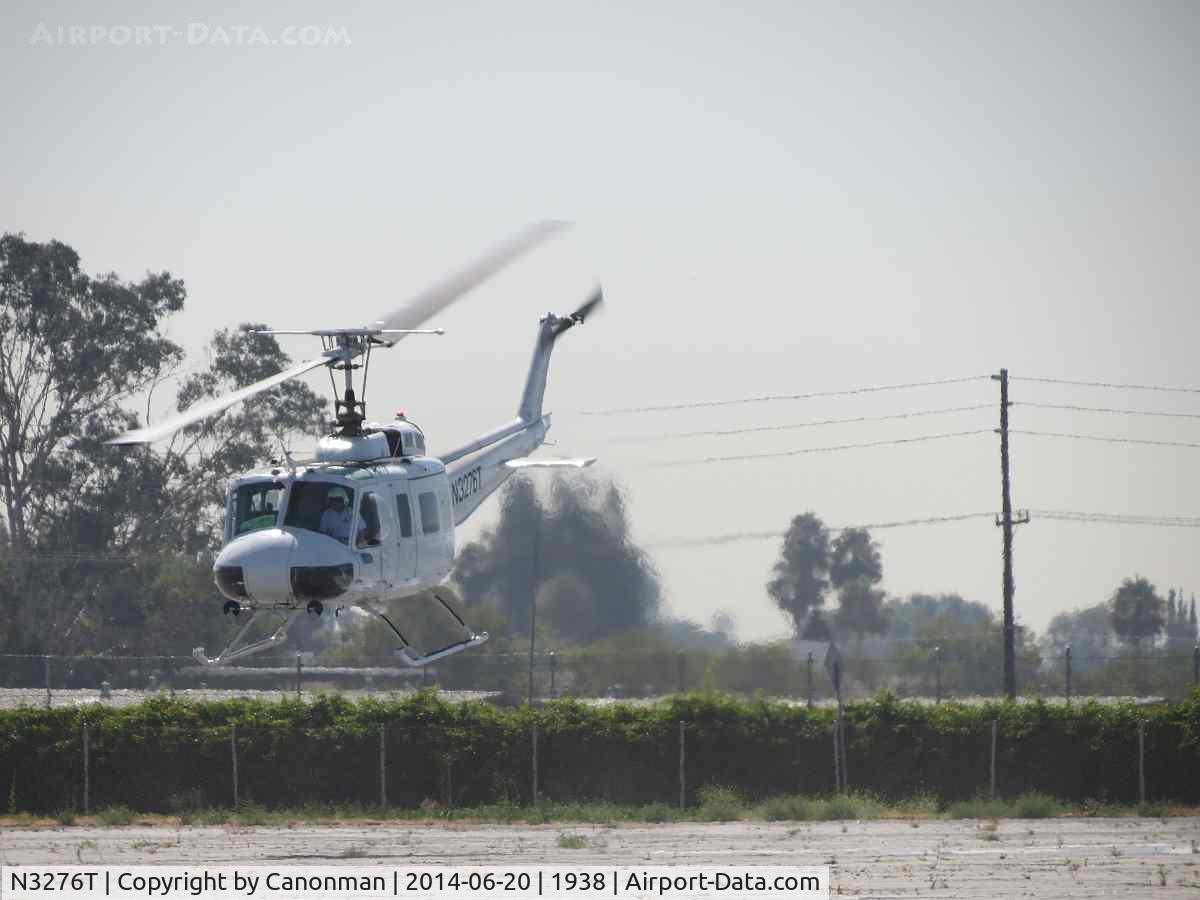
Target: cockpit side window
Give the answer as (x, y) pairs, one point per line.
(256, 506)
(369, 528)
(321, 506)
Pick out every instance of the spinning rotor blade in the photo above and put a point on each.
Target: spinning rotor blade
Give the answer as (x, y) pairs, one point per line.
(203, 410)
(591, 305)
(434, 299)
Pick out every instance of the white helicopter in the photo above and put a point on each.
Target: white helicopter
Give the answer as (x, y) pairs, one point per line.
(371, 519)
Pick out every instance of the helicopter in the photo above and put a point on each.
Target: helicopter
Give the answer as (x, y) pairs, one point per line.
(371, 518)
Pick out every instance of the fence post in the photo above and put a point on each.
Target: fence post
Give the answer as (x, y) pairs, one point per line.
(87, 774)
(553, 670)
(682, 759)
(681, 666)
(535, 764)
(937, 653)
(299, 675)
(1141, 760)
(233, 752)
(837, 756)
(1068, 673)
(382, 766)
(810, 679)
(47, 662)
(995, 730)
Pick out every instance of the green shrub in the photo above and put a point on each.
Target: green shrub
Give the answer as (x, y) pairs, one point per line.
(251, 814)
(979, 808)
(1034, 805)
(1152, 810)
(115, 816)
(657, 812)
(65, 816)
(790, 808)
(570, 841)
(719, 803)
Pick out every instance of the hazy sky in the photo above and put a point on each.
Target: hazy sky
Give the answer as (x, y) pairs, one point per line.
(785, 198)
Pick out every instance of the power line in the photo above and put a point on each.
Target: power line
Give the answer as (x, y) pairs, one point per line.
(830, 449)
(1066, 515)
(1108, 409)
(794, 425)
(734, 537)
(1106, 440)
(768, 398)
(1107, 384)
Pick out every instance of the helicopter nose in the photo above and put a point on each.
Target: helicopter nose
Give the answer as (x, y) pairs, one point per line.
(256, 567)
(321, 569)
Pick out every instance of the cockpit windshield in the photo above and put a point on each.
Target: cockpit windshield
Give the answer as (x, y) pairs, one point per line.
(256, 506)
(321, 506)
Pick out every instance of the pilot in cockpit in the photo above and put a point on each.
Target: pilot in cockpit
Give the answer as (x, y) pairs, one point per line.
(335, 520)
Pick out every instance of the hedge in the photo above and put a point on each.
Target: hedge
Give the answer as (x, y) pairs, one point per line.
(165, 753)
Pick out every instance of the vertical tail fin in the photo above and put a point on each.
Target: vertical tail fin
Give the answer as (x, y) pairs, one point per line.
(551, 327)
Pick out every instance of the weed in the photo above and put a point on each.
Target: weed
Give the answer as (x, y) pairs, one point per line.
(115, 816)
(791, 808)
(719, 804)
(657, 812)
(570, 841)
(1034, 805)
(251, 814)
(353, 853)
(1150, 810)
(65, 816)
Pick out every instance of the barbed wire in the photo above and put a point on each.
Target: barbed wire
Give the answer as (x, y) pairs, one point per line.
(770, 398)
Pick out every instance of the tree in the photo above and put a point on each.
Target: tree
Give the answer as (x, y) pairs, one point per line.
(592, 581)
(1136, 611)
(801, 573)
(72, 347)
(1088, 632)
(855, 566)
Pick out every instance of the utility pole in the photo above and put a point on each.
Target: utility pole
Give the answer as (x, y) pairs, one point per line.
(1006, 522)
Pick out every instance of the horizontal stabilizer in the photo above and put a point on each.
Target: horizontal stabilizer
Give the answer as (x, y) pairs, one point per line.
(529, 463)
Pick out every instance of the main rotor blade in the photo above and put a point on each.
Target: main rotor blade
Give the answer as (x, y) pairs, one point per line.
(435, 298)
(194, 414)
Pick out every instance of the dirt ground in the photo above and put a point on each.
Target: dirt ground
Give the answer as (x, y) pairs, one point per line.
(1048, 858)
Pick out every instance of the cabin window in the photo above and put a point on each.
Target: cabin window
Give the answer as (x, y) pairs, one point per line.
(256, 506)
(368, 525)
(321, 506)
(404, 514)
(429, 512)
(414, 444)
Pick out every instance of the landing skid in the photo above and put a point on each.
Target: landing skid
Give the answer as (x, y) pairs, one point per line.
(235, 650)
(418, 659)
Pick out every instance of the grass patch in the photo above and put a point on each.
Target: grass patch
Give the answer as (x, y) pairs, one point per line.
(790, 808)
(1034, 805)
(1152, 810)
(980, 808)
(572, 841)
(116, 816)
(719, 804)
(65, 816)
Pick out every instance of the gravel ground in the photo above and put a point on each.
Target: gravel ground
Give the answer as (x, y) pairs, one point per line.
(1049, 858)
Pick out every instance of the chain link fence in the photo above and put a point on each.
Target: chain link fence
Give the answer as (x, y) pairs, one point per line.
(930, 674)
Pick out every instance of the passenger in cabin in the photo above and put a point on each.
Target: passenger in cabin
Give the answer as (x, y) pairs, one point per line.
(335, 520)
